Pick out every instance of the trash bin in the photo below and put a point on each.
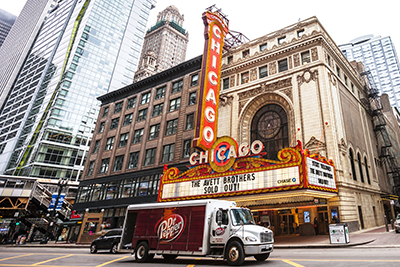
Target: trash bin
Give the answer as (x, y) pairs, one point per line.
(339, 233)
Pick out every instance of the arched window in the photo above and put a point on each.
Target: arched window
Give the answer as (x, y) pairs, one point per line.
(360, 167)
(270, 126)
(353, 167)
(366, 170)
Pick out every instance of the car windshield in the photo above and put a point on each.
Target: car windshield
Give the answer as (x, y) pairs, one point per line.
(241, 216)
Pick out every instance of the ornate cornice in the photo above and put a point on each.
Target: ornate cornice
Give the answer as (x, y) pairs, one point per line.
(225, 100)
(265, 88)
(307, 76)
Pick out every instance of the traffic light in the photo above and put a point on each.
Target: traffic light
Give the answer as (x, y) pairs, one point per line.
(17, 223)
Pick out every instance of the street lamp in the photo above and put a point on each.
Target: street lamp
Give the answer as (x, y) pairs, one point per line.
(61, 184)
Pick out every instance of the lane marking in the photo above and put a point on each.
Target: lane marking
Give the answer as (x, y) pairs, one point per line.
(342, 260)
(113, 261)
(292, 263)
(66, 256)
(24, 255)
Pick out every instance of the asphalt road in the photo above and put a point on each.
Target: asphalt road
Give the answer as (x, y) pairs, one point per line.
(67, 257)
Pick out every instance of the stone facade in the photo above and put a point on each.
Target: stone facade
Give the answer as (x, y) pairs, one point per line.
(318, 89)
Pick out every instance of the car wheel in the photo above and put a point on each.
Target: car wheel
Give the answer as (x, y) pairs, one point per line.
(93, 248)
(114, 249)
(235, 253)
(142, 252)
(261, 257)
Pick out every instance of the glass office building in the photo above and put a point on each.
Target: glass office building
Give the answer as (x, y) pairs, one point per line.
(379, 57)
(86, 48)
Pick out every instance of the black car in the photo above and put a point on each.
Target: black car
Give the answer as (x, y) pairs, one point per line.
(108, 241)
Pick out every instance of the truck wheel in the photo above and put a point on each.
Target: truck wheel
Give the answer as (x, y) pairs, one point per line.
(169, 257)
(261, 257)
(114, 249)
(235, 253)
(142, 252)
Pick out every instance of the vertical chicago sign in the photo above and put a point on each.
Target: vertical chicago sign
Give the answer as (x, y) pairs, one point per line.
(216, 28)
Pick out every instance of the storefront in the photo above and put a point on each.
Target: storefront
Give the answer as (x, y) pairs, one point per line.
(292, 196)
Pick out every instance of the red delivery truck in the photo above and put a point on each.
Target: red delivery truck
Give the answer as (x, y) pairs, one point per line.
(210, 228)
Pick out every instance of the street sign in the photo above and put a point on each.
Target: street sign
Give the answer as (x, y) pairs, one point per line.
(59, 203)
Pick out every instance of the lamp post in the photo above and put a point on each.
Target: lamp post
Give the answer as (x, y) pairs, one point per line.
(61, 184)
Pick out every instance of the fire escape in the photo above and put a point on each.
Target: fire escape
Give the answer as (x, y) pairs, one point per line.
(387, 155)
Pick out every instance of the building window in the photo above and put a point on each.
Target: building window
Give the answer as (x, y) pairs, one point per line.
(104, 165)
(145, 98)
(118, 107)
(230, 59)
(263, 47)
(195, 80)
(353, 167)
(133, 160)
(168, 153)
(114, 123)
(137, 136)
(90, 169)
(360, 168)
(101, 128)
(131, 103)
(174, 104)
(128, 119)
(154, 131)
(186, 148)
(150, 156)
(105, 112)
(142, 114)
(192, 98)
(345, 80)
(158, 109)
(300, 33)
(245, 53)
(270, 126)
(225, 83)
(329, 60)
(123, 139)
(305, 57)
(177, 86)
(96, 147)
(282, 65)
(366, 170)
(172, 126)
(160, 93)
(245, 77)
(119, 160)
(189, 121)
(281, 40)
(352, 88)
(110, 143)
(263, 72)
(338, 71)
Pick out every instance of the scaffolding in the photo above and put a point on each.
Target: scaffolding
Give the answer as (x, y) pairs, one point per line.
(387, 153)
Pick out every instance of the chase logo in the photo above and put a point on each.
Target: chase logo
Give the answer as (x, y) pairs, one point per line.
(293, 180)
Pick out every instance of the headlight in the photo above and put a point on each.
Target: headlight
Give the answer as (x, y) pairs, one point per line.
(251, 239)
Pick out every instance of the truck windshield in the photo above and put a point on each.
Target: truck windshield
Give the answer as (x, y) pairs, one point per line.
(241, 215)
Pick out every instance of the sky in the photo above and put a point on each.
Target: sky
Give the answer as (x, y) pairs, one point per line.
(344, 20)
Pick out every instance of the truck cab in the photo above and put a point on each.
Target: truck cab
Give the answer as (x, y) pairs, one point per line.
(235, 235)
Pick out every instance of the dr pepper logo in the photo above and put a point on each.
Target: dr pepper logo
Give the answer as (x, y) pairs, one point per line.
(170, 227)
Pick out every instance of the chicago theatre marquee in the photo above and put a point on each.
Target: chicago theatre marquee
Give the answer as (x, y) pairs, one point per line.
(286, 135)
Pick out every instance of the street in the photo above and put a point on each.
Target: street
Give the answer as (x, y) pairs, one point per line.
(71, 257)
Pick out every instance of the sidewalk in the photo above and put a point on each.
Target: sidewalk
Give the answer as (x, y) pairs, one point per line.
(373, 237)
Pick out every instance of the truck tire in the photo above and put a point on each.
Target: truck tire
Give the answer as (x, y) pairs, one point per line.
(169, 257)
(235, 253)
(142, 252)
(261, 257)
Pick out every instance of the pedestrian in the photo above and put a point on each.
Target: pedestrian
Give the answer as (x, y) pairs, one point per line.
(316, 225)
(334, 219)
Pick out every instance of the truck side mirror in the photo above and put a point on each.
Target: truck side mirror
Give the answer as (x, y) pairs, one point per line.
(219, 217)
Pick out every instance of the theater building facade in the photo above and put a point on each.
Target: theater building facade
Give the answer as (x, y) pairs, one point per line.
(290, 92)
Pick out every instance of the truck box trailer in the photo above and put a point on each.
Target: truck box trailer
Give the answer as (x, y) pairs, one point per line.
(210, 228)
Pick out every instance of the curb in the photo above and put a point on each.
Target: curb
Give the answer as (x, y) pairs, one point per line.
(325, 245)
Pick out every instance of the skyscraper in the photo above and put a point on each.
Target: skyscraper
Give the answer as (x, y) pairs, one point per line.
(164, 45)
(6, 22)
(379, 57)
(83, 50)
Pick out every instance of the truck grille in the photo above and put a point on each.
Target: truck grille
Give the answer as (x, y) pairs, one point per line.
(266, 237)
